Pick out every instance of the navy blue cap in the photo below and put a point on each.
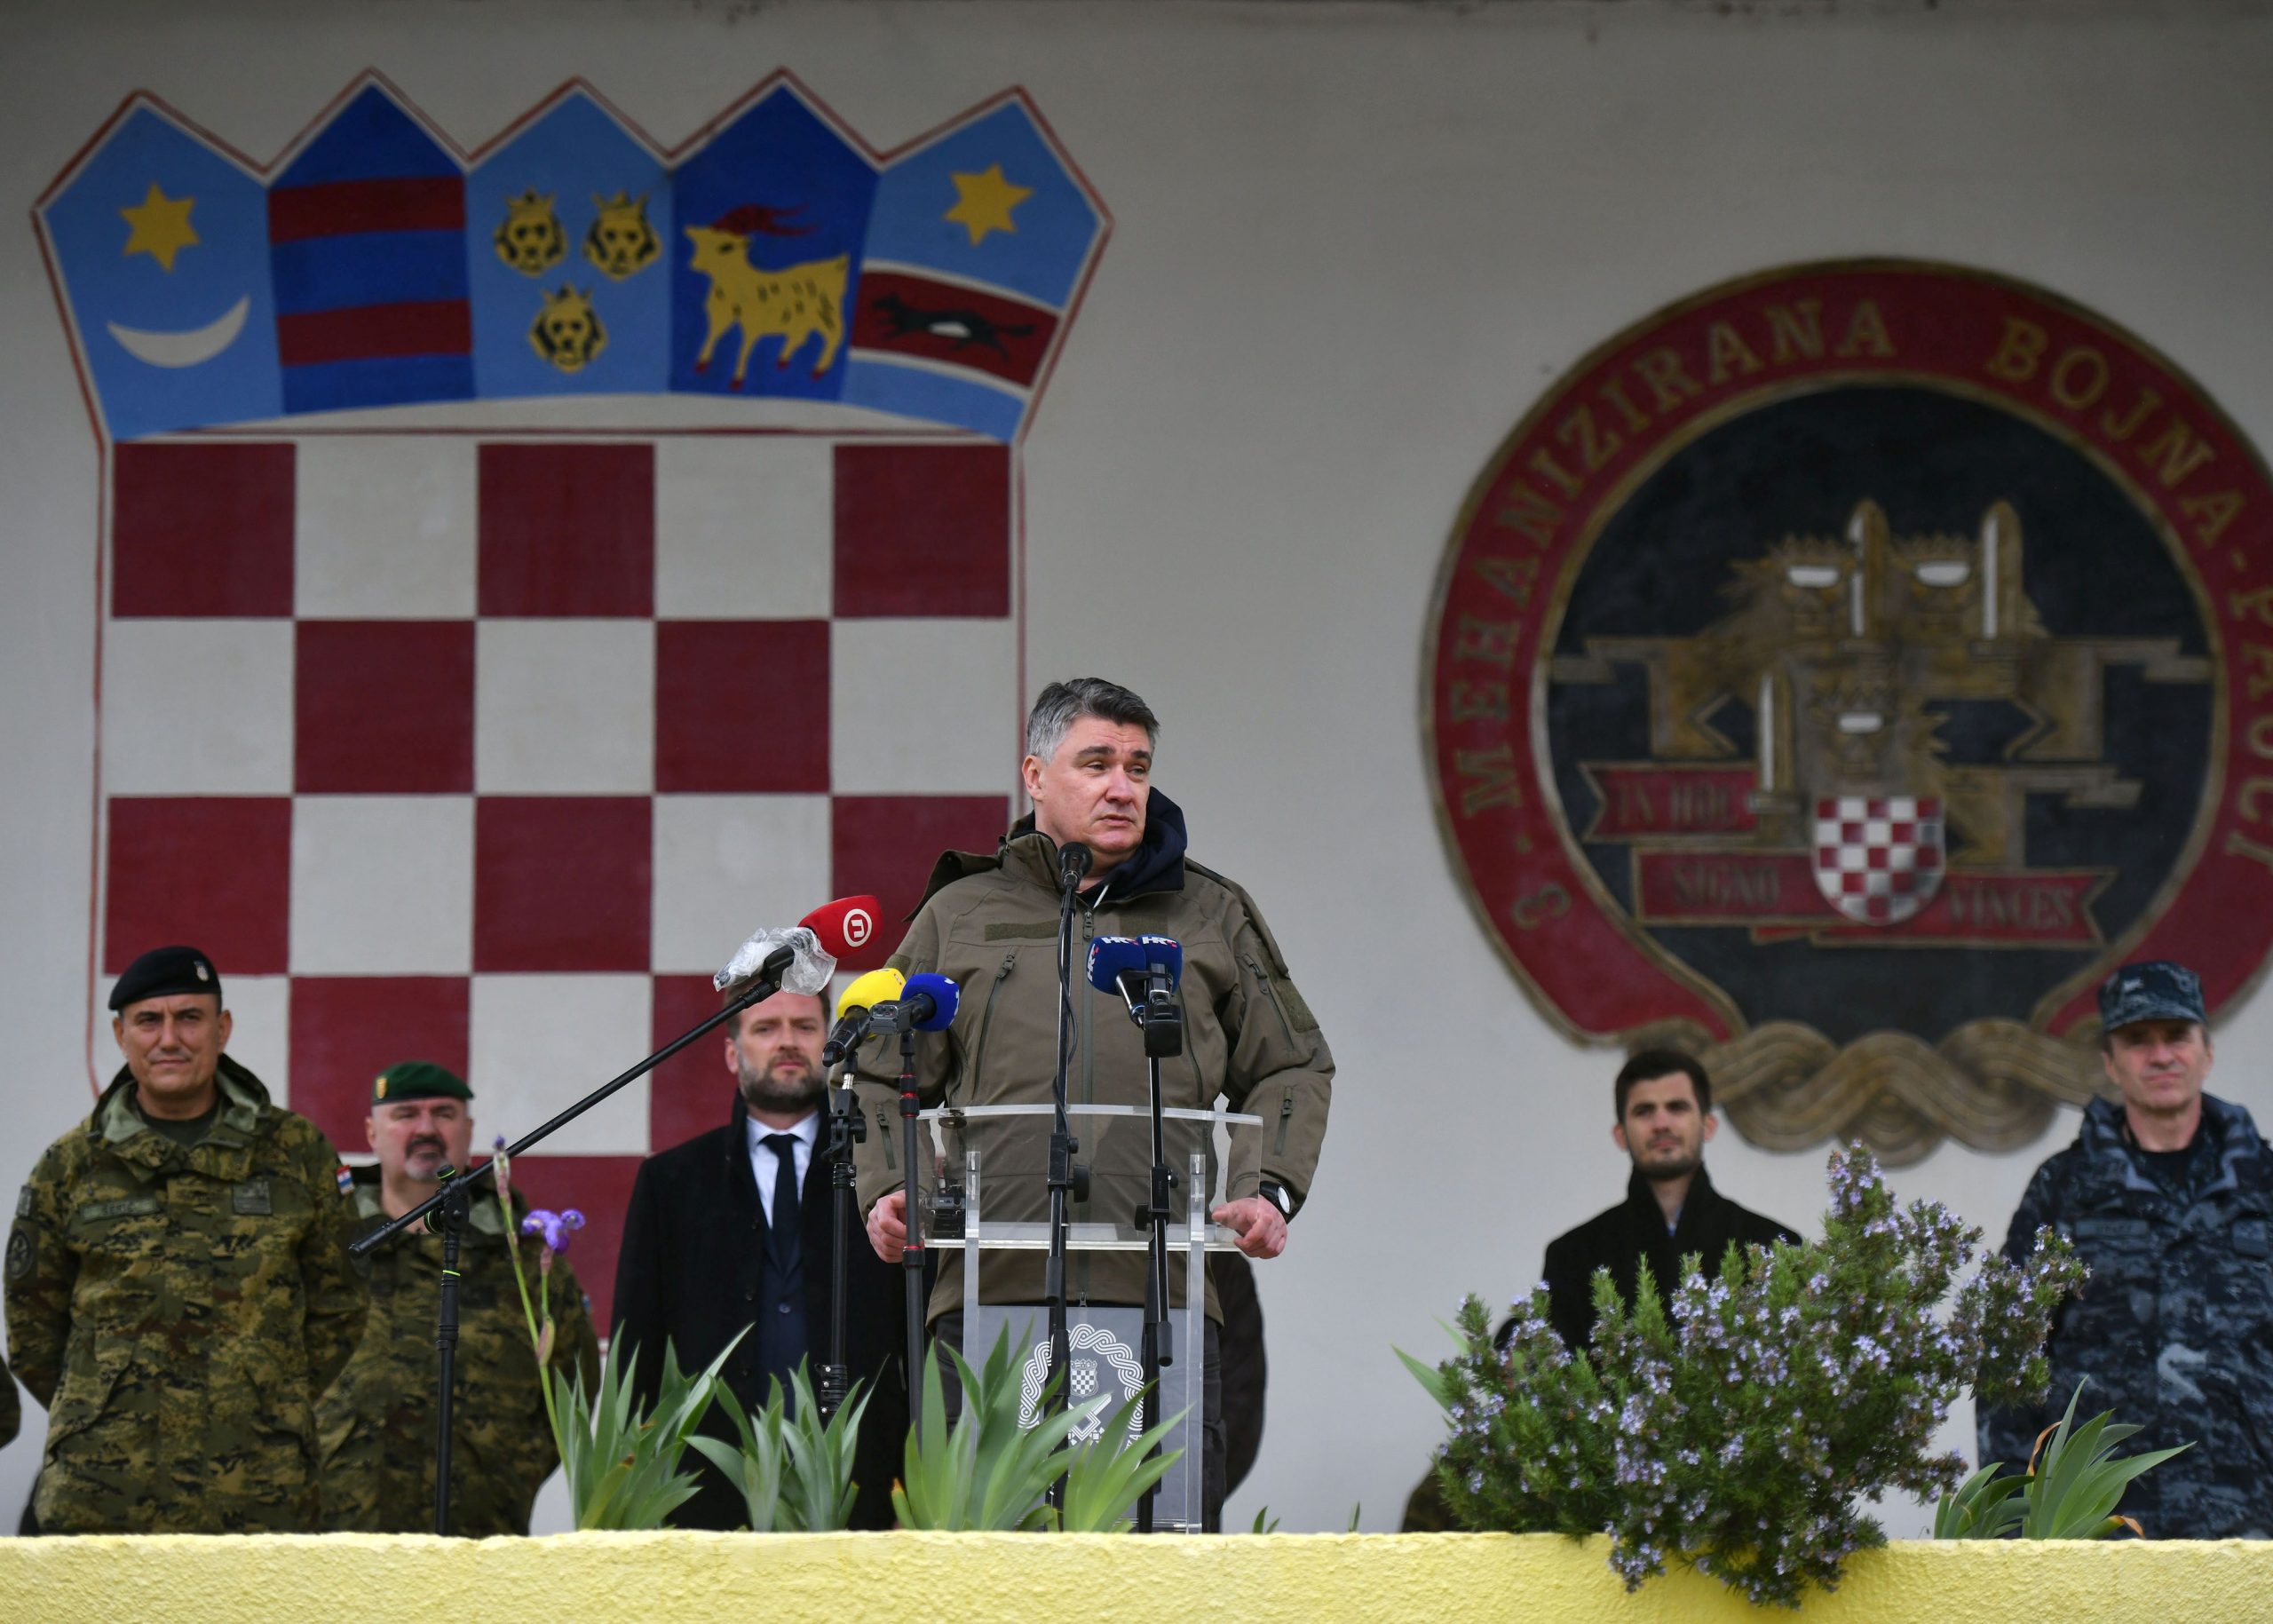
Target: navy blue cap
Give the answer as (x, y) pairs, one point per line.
(164, 972)
(2155, 990)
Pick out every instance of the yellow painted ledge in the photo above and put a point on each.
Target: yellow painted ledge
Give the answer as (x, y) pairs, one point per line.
(1296, 1579)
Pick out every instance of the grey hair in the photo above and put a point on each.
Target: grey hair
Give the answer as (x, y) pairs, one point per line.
(1062, 704)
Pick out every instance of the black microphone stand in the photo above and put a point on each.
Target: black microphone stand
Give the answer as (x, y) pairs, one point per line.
(453, 1201)
(448, 1220)
(911, 1256)
(1068, 1181)
(846, 1128)
(1161, 1018)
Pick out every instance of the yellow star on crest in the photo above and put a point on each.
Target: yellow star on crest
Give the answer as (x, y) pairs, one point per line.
(161, 227)
(984, 202)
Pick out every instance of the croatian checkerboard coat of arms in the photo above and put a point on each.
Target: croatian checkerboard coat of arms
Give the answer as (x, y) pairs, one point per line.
(1839, 672)
(514, 558)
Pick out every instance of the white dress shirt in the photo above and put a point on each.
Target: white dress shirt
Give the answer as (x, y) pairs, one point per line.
(762, 1158)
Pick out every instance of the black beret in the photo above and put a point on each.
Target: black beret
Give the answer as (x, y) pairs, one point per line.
(417, 1080)
(164, 972)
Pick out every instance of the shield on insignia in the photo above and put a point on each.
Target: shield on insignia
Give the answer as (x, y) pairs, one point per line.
(1877, 859)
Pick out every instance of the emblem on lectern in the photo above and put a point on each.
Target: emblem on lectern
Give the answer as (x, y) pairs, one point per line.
(1839, 672)
(1096, 1362)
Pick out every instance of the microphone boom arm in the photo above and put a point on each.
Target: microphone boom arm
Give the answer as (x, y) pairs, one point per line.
(763, 986)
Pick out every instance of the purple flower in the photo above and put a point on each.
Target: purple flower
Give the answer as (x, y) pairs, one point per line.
(554, 1226)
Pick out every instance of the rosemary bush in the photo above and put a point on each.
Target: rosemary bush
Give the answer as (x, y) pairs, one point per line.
(1735, 1430)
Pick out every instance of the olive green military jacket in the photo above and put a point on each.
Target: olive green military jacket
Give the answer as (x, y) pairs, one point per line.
(376, 1422)
(178, 1309)
(990, 925)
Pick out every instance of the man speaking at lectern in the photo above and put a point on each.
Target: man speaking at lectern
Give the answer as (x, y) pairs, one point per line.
(989, 922)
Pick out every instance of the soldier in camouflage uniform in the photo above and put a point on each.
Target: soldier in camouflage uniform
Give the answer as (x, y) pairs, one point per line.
(11, 1408)
(377, 1420)
(2168, 1198)
(177, 1287)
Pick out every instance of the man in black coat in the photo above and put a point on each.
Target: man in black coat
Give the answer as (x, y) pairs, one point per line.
(1665, 1116)
(703, 1258)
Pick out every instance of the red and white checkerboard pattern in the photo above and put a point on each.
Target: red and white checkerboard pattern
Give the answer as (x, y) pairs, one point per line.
(1878, 860)
(490, 750)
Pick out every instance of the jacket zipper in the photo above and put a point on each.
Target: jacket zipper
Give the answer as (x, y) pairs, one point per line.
(1285, 1026)
(883, 1132)
(986, 1020)
(1286, 1116)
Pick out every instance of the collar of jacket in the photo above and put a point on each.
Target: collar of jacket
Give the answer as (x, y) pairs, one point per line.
(482, 1213)
(1026, 853)
(1702, 1199)
(116, 1124)
(2227, 1134)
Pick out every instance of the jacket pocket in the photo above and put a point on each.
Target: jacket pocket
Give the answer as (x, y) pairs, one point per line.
(81, 1401)
(986, 1024)
(1270, 991)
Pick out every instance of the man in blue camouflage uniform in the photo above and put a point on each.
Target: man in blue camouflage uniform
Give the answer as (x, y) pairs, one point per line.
(2168, 1197)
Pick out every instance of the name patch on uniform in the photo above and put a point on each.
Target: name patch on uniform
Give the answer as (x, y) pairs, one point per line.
(126, 1207)
(250, 1198)
(2251, 1238)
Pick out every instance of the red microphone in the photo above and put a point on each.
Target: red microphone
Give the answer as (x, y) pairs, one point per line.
(846, 925)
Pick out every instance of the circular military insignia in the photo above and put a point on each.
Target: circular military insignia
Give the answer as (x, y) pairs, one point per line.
(1099, 1362)
(1839, 672)
(20, 1255)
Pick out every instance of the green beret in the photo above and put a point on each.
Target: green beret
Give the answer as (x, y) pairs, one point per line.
(417, 1080)
(164, 972)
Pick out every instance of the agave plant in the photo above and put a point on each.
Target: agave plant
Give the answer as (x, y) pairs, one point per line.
(622, 1460)
(757, 1463)
(985, 1472)
(794, 1470)
(2070, 1491)
(1112, 1469)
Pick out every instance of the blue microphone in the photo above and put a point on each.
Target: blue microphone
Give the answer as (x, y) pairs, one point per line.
(931, 1001)
(1142, 957)
(1144, 971)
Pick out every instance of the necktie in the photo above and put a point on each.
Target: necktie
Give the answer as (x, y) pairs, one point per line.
(784, 1223)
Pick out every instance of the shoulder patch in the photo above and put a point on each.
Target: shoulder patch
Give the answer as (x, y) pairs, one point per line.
(346, 1180)
(24, 1202)
(22, 1252)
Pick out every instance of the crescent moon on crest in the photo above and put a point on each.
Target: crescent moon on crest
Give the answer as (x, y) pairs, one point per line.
(184, 349)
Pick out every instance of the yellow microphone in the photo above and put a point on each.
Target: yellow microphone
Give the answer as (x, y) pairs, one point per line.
(878, 986)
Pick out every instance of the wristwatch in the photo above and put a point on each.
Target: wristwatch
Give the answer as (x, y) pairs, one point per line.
(1272, 1193)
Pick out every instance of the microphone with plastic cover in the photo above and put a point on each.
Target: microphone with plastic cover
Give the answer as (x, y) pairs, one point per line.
(926, 1004)
(802, 958)
(854, 1012)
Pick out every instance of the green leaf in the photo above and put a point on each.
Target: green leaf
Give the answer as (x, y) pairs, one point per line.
(1111, 1472)
(1432, 1380)
(2076, 1486)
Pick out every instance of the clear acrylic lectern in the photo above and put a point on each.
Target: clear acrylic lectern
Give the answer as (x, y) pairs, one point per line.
(982, 1188)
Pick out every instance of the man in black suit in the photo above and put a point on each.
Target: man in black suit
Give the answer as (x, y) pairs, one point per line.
(1671, 1209)
(734, 1228)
